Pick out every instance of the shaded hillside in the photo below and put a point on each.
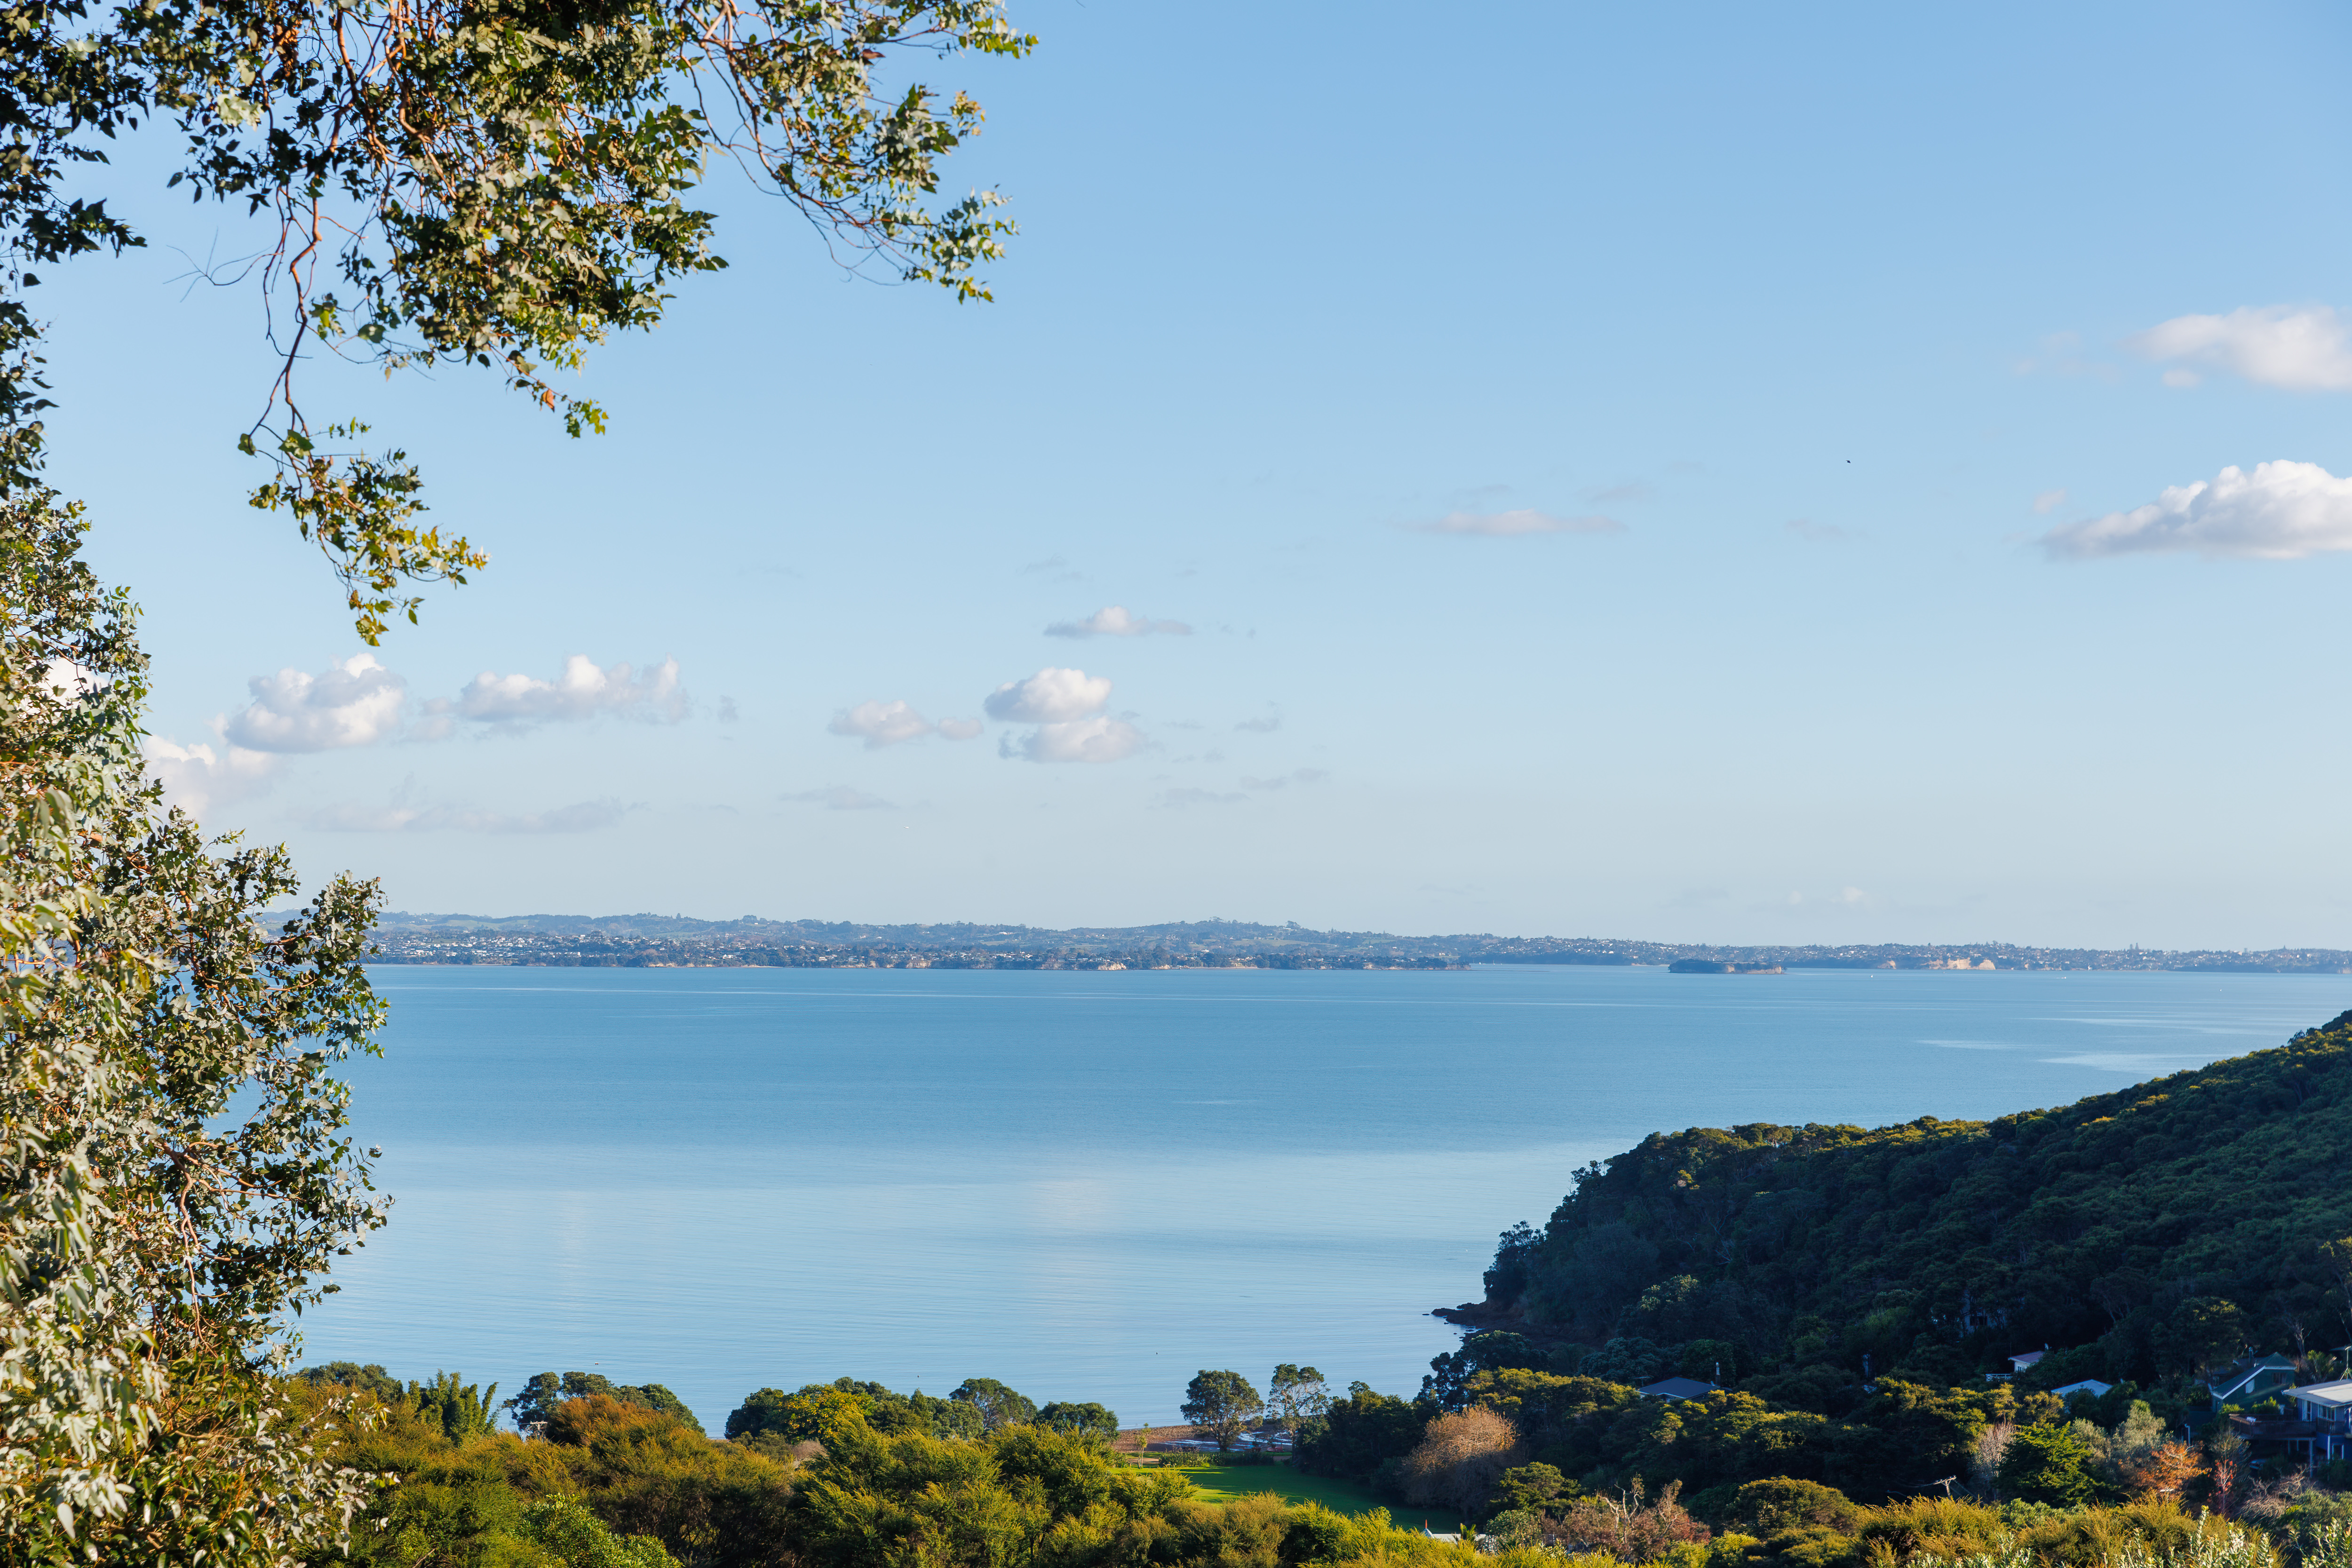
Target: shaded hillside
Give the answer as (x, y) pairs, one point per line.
(2165, 1227)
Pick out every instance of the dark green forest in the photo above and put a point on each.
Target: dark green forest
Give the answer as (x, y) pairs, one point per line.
(2146, 1234)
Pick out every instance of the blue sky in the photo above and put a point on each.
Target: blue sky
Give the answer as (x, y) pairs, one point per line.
(1687, 472)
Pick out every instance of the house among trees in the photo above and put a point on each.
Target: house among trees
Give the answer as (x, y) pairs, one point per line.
(2326, 1407)
(2017, 1363)
(1676, 1388)
(2251, 1379)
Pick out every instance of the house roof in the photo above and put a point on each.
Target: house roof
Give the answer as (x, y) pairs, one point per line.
(2335, 1395)
(2025, 1359)
(1677, 1388)
(2243, 1372)
(2090, 1385)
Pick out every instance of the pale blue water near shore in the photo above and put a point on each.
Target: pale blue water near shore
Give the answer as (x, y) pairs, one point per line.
(1091, 1185)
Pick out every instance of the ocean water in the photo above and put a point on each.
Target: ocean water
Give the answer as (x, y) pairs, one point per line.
(1093, 1186)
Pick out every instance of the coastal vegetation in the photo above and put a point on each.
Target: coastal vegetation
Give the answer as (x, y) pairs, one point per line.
(2148, 1234)
(853, 1475)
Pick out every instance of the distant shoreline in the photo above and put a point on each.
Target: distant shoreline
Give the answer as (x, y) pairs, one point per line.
(648, 941)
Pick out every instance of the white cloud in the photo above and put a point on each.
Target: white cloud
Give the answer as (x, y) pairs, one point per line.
(196, 778)
(1297, 775)
(841, 797)
(1265, 724)
(582, 817)
(2281, 511)
(582, 692)
(1100, 740)
(1197, 797)
(67, 683)
(1115, 621)
(1066, 706)
(1051, 696)
(1511, 524)
(2049, 501)
(2301, 349)
(1053, 569)
(355, 703)
(881, 724)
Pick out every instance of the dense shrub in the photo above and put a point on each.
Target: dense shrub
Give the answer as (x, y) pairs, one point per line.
(1460, 1462)
(1768, 1507)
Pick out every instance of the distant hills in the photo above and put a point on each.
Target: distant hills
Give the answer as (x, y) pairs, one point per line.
(648, 939)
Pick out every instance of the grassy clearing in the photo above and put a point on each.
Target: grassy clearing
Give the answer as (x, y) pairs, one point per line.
(1217, 1484)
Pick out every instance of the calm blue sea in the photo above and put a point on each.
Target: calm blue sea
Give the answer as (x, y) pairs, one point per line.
(1092, 1186)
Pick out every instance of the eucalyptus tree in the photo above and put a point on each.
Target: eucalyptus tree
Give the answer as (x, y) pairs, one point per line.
(1297, 1394)
(174, 1177)
(496, 183)
(500, 184)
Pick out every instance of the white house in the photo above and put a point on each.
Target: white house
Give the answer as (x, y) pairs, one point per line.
(2328, 1408)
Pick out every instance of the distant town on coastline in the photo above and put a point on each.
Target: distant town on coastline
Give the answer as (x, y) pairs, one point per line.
(648, 941)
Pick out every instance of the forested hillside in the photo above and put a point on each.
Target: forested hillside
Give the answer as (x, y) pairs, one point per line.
(2153, 1231)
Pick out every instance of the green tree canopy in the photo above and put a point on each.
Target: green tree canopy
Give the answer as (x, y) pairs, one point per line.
(998, 1405)
(2048, 1465)
(2156, 1230)
(1358, 1433)
(369, 1379)
(460, 1409)
(1085, 1420)
(179, 1183)
(1223, 1403)
(1296, 1394)
(1768, 1507)
(547, 1390)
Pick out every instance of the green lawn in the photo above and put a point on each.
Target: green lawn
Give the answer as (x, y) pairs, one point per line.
(1219, 1484)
